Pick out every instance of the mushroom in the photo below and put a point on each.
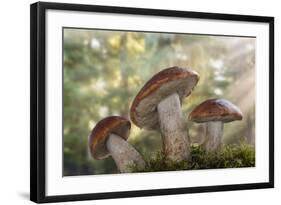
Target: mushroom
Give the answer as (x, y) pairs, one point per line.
(109, 137)
(214, 113)
(158, 106)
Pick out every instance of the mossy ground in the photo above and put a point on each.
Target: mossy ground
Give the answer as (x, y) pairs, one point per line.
(228, 157)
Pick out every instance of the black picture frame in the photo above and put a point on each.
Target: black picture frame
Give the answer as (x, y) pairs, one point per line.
(38, 100)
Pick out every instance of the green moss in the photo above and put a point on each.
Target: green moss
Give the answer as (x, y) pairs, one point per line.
(228, 157)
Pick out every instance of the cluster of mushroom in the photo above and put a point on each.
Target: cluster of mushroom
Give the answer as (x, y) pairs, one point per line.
(157, 106)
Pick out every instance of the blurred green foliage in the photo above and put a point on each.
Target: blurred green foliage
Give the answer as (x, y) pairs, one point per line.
(104, 70)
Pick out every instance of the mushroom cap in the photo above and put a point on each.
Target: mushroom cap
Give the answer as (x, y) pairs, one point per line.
(216, 110)
(97, 139)
(168, 81)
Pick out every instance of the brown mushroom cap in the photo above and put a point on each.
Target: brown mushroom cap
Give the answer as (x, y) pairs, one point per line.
(97, 139)
(168, 81)
(216, 110)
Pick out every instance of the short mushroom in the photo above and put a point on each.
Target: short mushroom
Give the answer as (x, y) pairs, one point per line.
(214, 113)
(109, 137)
(158, 105)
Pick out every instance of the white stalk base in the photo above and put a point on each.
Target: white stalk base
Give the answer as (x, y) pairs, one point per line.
(213, 137)
(124, 155)
(176, 142)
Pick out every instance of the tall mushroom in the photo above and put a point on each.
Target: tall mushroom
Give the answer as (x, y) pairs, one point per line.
(214, 113)
(158, 105)
(109, 138)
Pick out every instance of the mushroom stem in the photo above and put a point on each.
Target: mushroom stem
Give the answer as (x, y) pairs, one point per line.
(213, 137)
(176, 142)
(124, 155)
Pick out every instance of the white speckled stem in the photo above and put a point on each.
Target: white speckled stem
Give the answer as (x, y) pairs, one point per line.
(214, 133)
(124, 155)
(176, 142)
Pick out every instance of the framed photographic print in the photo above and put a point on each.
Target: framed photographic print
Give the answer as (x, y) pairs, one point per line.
(129, 102)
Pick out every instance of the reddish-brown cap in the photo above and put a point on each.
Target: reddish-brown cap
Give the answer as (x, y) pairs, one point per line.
(168, 81)
(97, 139)
(216, 110)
